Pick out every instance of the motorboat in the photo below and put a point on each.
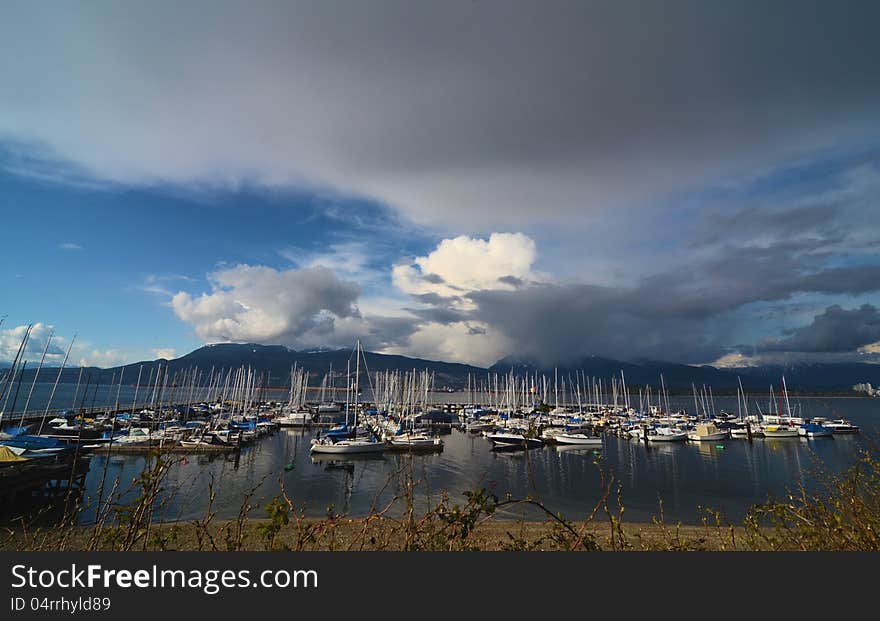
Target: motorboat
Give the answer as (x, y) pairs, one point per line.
(841, 425)
(512, 439)
(476, 426)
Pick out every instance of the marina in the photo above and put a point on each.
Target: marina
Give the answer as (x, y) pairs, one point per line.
(228, 435)
(729, 476)
(551, 457)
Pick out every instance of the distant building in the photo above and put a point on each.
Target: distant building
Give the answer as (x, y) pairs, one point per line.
(867, 389)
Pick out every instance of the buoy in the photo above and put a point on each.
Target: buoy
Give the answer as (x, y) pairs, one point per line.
(721, 446)
(288, 467)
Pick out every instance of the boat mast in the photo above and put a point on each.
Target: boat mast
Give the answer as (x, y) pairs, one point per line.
(36, 375)
(357, 373)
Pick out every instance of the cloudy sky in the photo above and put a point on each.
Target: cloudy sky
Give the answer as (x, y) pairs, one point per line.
(460, 180)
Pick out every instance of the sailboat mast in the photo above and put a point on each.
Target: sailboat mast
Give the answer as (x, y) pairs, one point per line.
(357, 374)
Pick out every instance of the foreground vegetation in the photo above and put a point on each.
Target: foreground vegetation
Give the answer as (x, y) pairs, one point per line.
(843, 514)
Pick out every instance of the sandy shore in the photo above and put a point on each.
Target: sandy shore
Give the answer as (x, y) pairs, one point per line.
(383, 534)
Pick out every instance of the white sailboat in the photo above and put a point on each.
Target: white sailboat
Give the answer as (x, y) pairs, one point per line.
(349, 445)
(414, 440)
(297, 418)
(578, 439)
(781, 426)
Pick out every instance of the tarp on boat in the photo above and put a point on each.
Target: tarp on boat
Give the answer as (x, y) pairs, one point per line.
(342, 430)
(15, 431)
(7, 456)
(33, 442)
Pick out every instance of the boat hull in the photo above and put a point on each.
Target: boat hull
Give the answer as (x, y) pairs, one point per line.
(514, 441)
(709, 437)
(294, 421)
(577, 440)
(345, 447)
(780, 433)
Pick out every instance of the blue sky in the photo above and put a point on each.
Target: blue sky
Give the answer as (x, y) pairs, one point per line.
(308, 174)
(100, 260)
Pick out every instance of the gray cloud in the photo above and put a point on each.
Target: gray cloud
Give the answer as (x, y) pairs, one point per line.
(553, 324)
(511, 280)
(385, 332)
(676, 316)
(759, 221)
(460, 113)
(473, 115)
(835, 330)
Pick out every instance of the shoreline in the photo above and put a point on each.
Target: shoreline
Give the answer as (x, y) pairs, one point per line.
(384, 534)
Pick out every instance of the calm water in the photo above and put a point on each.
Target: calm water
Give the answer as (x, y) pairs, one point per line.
(728, 476)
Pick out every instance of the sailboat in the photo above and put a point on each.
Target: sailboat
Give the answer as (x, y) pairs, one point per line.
(705, 431)
(295, 414)
(412, 439)
(581, 439)
(353, 444)
(666, 434)
(415, 440)
(782, 428)
(739, 428)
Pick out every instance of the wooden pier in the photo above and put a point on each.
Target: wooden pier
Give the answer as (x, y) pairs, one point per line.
(39, 480)
(167, 447)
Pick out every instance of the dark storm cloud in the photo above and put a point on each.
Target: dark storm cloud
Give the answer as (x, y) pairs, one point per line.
(835, 330)
(555, 324)
(741, 275)
(673, 316)
(462, 113)
(850, 280)
(760, 221)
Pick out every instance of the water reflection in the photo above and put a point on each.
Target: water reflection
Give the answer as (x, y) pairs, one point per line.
(729, 475)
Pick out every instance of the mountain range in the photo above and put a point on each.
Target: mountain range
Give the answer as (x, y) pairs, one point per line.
(276, 361)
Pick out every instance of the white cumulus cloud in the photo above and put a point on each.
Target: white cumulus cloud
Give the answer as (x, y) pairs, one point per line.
(264, 305)
(463, 264)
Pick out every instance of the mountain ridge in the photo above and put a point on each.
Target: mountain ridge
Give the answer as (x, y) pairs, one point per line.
(275, 361)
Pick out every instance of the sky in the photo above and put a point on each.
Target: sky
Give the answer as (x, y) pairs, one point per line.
(467, 181)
